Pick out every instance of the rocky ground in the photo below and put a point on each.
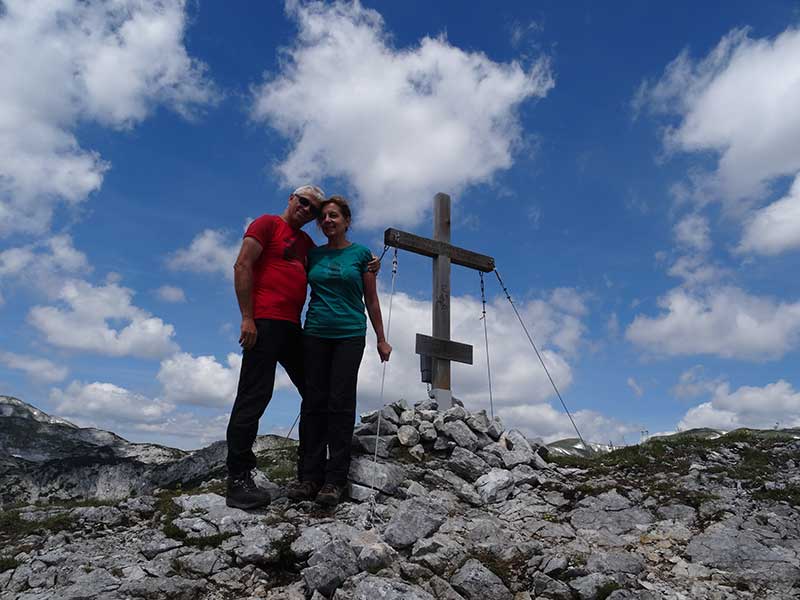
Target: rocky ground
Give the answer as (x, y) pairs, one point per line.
(466, 511)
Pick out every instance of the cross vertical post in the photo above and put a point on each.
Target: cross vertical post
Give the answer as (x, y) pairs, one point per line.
(440, 327)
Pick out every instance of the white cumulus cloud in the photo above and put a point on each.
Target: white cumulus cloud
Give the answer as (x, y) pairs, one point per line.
(398, 125)
(725, 321)
(104, 402)
(170, 293)
(103, 320)
(693, 232)
(204, 381)
(544, 421)
(200, 380)
(775, 404)
(740, 101)
(210, 251)
(134, 416)
(42, 266)
(694, 382)
(37, 368)
(775, 228)
(111, 63)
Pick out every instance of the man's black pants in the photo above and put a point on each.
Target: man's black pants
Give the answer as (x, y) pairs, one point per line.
(328, 412)
(277, 342)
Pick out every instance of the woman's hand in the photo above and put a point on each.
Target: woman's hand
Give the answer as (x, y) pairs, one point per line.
(374, 265)
(384, 350)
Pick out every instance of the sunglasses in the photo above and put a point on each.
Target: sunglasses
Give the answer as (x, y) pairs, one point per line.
(306, 203)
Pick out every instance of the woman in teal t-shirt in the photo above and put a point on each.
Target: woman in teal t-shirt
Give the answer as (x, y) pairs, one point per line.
(333, 345)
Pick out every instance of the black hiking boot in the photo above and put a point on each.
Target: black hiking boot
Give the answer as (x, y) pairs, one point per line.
(330, 495)
(242, 492)
(302, 490)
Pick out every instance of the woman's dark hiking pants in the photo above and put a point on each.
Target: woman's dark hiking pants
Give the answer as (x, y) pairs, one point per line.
(328, 412)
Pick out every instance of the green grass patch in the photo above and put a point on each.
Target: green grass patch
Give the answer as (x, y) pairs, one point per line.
(587, 489)
(13, 527)
(605, 590)
(789, 494)
(8, 563)
(507, 570)
(279, 464)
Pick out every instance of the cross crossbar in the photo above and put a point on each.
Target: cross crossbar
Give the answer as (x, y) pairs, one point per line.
(445, 349)
(434, 248)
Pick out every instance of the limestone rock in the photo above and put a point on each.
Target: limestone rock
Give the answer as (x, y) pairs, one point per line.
(366, 444)
(478, 422)
(415, 519)
(454, 413)
(408, 435)
(467, 464)
(371, 428)
(384, 476)
(376, 556)
(589, 585)
(427, 432)
(262, 544)
(495, 486)
(475, 582)
(330, 566)
(616, 562)
(495, 429)
(417, 452)
(382, 588)
(547, 587)
(461, 434)
(427, 405)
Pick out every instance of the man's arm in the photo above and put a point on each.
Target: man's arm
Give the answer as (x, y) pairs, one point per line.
(243, 284)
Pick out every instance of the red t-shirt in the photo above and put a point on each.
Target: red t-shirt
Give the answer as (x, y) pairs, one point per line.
(279, 274)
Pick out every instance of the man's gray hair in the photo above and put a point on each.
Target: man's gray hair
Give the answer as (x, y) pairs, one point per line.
(310, 191)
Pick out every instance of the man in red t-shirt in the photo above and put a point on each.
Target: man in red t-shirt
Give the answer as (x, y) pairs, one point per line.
(270, 282)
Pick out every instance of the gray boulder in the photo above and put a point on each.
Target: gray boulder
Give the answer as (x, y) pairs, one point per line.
(461, 434)
(385, 476)
(616, 562)
(414, 519)
(475, 582)
(408, 435)
(330, 566)
(427, 432)
(373, 587)
(495, 486)
(588, 586)
(468, 465)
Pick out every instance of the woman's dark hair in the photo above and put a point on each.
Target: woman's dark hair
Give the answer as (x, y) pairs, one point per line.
(339, 201)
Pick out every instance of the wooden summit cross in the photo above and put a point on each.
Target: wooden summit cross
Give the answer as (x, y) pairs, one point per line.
(438, 350)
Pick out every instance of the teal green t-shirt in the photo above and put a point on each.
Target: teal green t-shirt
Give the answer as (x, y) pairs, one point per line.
(336, 308)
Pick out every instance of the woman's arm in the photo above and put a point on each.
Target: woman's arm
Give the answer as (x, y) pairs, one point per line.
(374, 311)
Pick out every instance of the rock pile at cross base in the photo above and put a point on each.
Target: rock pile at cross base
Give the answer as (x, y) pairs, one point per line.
(466, 511)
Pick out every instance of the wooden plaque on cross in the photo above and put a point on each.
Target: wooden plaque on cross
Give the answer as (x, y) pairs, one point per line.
(438, 349)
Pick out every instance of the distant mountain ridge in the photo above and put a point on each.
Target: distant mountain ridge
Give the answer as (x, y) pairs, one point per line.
(14, 407)
(42, 456)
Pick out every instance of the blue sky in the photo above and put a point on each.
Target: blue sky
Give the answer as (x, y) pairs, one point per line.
(634, 168)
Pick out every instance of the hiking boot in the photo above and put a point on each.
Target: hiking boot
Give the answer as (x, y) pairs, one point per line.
(330, 495)
(242, 492)
(302, 490)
